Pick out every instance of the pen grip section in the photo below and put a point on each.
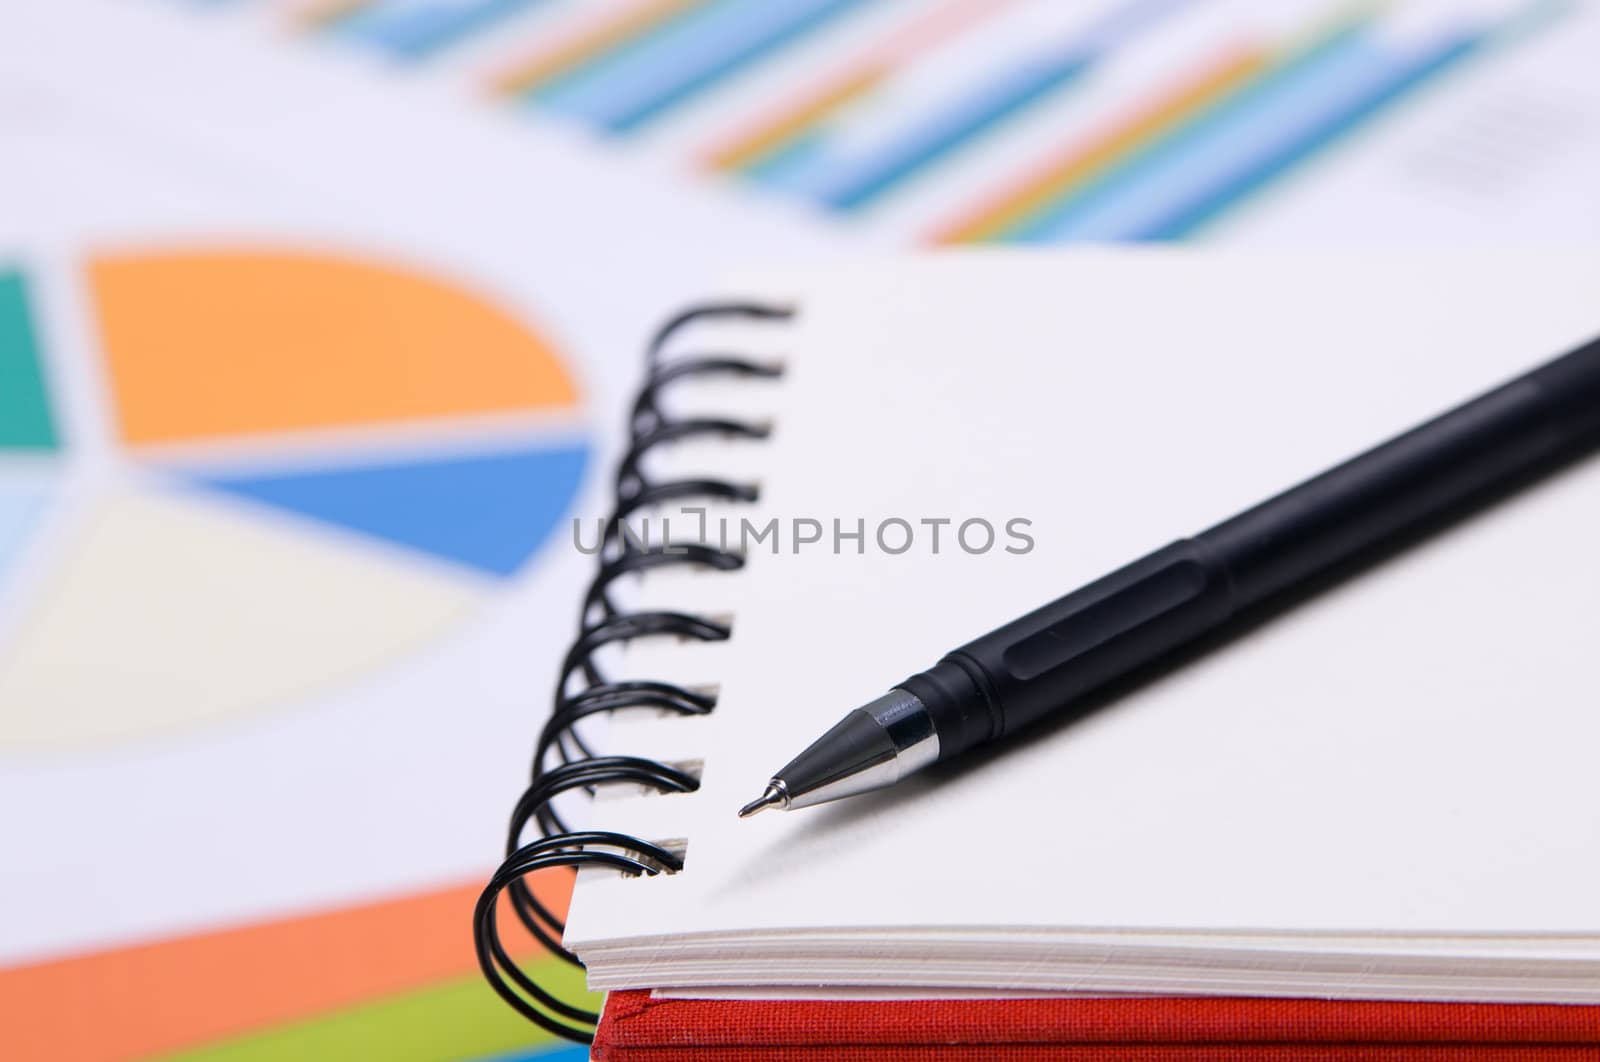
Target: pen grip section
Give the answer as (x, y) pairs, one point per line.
(1044, 662)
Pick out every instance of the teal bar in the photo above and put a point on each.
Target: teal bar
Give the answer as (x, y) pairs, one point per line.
(26, 422)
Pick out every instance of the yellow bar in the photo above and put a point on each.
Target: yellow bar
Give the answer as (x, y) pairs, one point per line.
(319, 13)
(1083, 161)
(773, 131)
(869, 71)
(542, 67)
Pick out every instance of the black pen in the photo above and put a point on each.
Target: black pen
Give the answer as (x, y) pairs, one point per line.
(1045, 663)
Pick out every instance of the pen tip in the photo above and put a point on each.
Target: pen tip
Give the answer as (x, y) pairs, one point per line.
(773, 797)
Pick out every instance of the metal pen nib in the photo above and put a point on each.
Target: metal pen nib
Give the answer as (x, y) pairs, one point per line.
(874, 746)
(775, 795)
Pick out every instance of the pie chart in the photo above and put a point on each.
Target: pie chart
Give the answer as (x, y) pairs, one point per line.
(308, 466)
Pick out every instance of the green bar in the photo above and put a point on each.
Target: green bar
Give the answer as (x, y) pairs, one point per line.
(25, 421)
(450, 1022)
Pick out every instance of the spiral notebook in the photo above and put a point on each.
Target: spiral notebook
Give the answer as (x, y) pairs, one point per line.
(1389, 792)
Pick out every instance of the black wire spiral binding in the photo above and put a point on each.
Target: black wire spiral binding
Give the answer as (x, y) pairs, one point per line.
(582, 690)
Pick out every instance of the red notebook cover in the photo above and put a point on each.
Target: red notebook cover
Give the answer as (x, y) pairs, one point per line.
(635, 1028)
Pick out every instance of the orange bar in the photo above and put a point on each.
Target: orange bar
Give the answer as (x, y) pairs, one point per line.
(546, 65)
(773, 131)
(1083, 160)
(134, 1002)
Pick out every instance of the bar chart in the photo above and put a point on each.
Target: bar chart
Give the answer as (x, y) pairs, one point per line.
(850, 107)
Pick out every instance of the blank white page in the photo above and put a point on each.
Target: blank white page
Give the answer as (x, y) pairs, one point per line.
(1412, 752)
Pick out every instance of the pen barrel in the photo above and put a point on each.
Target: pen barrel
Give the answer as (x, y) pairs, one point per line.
(1045, 663)
(1404, 486)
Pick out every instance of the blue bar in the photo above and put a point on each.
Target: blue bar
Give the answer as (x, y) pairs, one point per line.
(1230, 188)
(856, 180)
(856, 183)
(1170, 157)
(547, 1052)
(415, 29)
(783, 166)
(594, 70)
(1240, 147)
(686, 57)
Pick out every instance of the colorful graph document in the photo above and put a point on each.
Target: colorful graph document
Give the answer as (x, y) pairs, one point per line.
(1027, 121)
(288, 463)
(305, 477)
